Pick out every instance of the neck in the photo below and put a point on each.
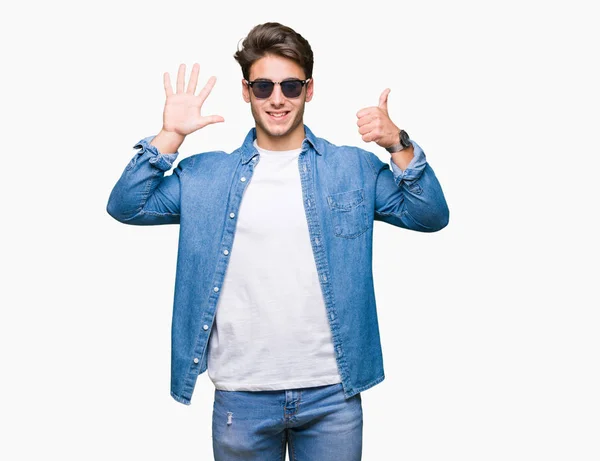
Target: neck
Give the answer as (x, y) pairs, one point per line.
(288, 141)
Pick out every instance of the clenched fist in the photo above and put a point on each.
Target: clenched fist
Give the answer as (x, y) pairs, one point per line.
(374, 123)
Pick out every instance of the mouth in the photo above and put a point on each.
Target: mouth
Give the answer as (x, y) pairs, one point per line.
(278, 115)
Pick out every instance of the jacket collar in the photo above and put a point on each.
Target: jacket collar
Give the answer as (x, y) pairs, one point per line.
(248, 151)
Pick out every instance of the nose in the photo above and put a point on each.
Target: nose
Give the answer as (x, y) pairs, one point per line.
(277, 97)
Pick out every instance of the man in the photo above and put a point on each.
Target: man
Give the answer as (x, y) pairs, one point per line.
(274, 289)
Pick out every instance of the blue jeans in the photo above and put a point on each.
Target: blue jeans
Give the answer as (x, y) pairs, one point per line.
(317, 423)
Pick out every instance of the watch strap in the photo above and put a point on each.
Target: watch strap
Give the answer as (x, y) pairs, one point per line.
(401, 145)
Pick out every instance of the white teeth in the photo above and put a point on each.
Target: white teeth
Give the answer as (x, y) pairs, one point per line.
(278, 114)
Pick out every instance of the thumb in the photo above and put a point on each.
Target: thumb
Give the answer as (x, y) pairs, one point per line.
(209, 119)
(383, 100)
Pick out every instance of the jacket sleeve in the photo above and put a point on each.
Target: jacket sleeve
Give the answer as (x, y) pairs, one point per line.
(413, 198)
(143, 195)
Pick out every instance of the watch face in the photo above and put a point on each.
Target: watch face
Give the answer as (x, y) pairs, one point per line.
(404, 138)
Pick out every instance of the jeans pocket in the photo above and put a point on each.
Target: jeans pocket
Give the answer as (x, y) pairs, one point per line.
(348, 213)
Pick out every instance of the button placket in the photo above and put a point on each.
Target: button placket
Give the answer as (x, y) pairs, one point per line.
(229, 233)
(322, 265)
(230, 229)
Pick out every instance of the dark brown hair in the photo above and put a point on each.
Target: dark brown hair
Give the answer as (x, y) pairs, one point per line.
(276, 39)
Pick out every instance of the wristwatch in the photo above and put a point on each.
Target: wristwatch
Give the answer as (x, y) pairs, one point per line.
(403, 144)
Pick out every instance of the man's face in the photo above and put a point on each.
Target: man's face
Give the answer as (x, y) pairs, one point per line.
(274, 127)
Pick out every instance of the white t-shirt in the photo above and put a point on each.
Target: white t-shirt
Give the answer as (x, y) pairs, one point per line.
(271, 330)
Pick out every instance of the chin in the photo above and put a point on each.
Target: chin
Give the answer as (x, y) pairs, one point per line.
(276, 130)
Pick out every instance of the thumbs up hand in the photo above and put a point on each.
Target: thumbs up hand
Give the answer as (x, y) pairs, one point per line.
(374, 123)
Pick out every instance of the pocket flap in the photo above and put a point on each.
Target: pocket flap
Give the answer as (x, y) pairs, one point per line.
(346, 200)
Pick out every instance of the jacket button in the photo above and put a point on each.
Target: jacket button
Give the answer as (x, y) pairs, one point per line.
(243, 179)
(216, 289)
(226, 252)
(205, 327)
(196, 360)
(232, 215)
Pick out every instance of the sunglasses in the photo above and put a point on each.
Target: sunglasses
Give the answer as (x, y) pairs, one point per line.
(292, 88)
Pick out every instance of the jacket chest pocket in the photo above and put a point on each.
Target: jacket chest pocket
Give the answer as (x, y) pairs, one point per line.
(348, 213)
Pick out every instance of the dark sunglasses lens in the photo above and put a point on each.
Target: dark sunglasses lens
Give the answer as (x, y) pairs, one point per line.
(291, 88)
(262, 89)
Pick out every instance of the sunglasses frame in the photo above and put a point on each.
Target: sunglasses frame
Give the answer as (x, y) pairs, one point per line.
(303, 82)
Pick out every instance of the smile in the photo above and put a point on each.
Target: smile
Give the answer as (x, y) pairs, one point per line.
(278, 115)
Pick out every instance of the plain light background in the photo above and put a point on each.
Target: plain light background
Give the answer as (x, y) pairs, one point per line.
(489, 328)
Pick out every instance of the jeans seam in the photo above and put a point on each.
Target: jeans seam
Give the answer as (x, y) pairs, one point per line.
(290, 441)
(283, 436)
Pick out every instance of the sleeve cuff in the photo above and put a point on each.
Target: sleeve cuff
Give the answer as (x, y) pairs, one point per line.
(161, 161)
(415, 168)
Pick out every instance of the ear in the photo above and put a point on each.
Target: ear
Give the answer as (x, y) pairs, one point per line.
(245, 92)
(309, 90)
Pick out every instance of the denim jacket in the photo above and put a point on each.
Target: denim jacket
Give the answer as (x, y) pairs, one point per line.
(344, 189)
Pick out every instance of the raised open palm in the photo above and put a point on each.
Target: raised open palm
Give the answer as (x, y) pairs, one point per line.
(182, 114)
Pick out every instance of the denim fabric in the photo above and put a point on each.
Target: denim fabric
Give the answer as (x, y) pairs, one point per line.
(344, 189)
(316, 423)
